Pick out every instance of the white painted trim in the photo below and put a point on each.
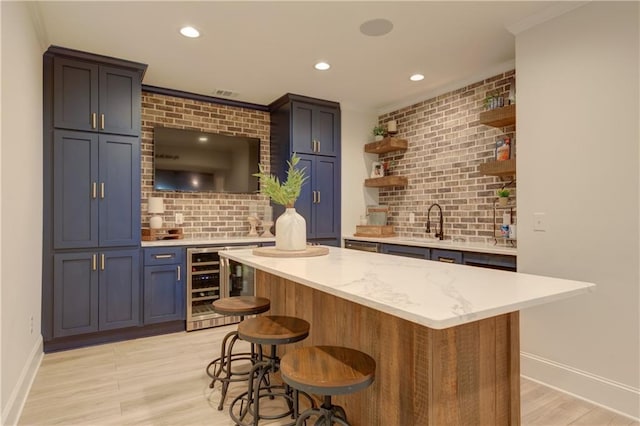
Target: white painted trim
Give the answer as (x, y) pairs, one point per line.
(12, 411)
(484, 74)
(614, 396)
(545, 15)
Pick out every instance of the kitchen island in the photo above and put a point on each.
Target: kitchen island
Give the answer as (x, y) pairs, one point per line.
(445, 337)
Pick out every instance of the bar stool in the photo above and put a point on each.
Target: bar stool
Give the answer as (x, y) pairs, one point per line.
(268, 330)
(327, 371)
(220, 369)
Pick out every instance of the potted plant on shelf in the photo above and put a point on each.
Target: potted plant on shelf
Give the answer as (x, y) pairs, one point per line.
(291, 227)
(378, 132)
(503, 196)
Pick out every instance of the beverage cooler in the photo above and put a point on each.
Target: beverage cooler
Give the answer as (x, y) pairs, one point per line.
(209, 278)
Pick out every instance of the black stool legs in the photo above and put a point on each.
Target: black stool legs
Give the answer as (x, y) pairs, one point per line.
(328, 414)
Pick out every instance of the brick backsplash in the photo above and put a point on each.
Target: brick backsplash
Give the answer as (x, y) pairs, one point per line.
(206, 214)
(446, 145)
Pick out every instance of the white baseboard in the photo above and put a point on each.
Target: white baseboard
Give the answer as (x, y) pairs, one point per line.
(12, 411)
(613, 396)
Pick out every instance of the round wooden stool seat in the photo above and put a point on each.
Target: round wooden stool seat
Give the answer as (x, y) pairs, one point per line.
(241, 305)
(273, 330)
(327, 370)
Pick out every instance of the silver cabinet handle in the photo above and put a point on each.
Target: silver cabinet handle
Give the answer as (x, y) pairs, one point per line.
(319, 148)
(178, 279)
(101, 189)
(94, 262)
(163, 256)
(318, 197)
(102, 262)
(314, 197)
(94, 120)
(94, 190)
(101, 121)
(446, 259)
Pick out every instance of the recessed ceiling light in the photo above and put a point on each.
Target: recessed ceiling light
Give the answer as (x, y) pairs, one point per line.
(416, 77)
(322, 66)
(203, 139)
(189, 32)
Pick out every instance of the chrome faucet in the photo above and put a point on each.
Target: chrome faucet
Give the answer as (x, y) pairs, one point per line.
(440, 233)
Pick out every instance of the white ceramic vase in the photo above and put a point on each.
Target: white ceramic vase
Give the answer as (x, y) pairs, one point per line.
(291, 231)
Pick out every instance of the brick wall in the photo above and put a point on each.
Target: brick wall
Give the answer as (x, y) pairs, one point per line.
(446, 145)
(206, 215)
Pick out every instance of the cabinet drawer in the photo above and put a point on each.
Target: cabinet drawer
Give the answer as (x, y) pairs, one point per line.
(449, 256)
(163, 255)
(493, 261)
(406, 251)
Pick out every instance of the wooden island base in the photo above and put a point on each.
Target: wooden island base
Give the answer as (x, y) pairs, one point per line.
(463, 375)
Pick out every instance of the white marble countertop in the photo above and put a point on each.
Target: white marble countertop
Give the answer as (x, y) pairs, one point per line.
(435, 243)
(435, 294)
(207, 242)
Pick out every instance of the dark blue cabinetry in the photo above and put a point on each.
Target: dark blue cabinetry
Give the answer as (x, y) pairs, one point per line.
(96, 196)
(96, 290)
(315, 129)
(164, 284)
(96, 98)
(311, 128)
(447, 256)
(91, 197)
(406, 251)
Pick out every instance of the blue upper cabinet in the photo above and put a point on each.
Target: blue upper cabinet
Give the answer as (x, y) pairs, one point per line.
(96, 98)
(311, 128)
(96, 196)
(315, 129)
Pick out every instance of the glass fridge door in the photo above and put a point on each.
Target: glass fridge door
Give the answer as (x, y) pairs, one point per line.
(241, 279)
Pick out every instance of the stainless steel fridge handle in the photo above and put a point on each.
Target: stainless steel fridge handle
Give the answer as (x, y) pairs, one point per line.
(224, 277)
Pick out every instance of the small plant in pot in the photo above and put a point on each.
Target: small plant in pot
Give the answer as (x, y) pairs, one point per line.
(291, 227)
(378, 132)
(503, 196)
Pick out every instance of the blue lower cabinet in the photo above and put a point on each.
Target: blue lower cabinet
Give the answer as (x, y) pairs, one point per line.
(406, 251)
(164, 293)
(164, 284)
(448, 256)
(95, 290)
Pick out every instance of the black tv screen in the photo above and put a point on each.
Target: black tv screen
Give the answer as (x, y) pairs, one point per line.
(190, 160)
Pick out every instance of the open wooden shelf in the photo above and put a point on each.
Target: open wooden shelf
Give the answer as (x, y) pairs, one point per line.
(499, 117)
(499, 168)
(387, 144)
(386, 181)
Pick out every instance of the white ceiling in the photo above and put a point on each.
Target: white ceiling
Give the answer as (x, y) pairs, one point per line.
(261, 50)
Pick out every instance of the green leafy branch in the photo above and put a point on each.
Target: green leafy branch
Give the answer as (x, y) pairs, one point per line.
(287, 192)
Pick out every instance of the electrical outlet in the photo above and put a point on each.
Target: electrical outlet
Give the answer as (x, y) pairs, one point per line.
(539, 222)
(179, 219)
(412, 217)
(31, 325)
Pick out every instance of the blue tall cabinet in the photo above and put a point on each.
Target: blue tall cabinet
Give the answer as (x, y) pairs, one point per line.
(91, 251)
(310, 127)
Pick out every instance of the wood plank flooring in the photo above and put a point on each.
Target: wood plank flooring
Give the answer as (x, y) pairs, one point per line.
(161, 380)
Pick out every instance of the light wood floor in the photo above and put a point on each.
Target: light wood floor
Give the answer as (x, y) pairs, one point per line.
(162, 381)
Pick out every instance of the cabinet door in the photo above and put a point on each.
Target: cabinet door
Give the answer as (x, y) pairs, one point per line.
(75, 93)
(163, 293)
(75, 293)
(120, 95)
(304, 204)
(326, 125)
(119, 289)
(119, 190)
(302, 128)
(75, 189)
(315, 129)
(325, 183)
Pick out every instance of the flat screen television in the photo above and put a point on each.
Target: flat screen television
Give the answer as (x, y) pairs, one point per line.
(190, 160)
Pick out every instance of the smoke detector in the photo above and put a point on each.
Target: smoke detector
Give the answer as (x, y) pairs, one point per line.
(224, 93)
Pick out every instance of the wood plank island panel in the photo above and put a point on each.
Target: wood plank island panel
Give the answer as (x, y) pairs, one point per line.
(462, 375)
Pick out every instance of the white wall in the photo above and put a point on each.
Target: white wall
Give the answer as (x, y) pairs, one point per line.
(578, 162)
(356, 166)
(21, 206)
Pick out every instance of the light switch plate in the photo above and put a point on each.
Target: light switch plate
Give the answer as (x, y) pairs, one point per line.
(539, 222)
(412, 218)
(179, 218)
